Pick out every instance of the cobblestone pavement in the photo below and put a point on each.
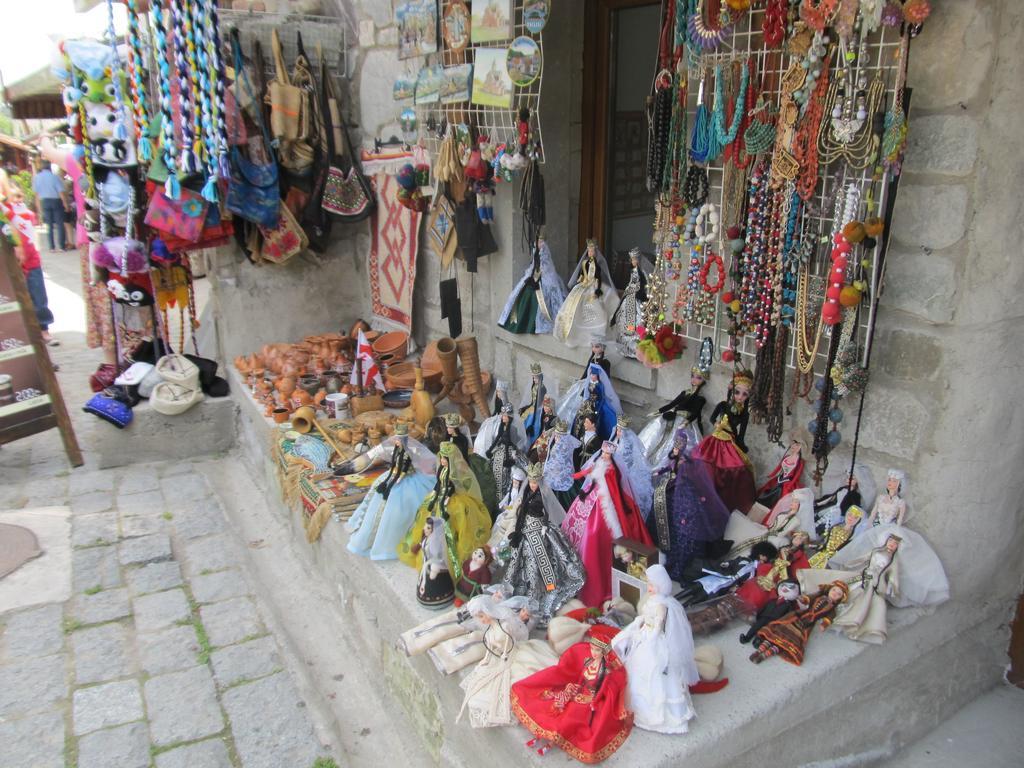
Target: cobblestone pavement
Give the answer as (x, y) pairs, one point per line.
(162, 657)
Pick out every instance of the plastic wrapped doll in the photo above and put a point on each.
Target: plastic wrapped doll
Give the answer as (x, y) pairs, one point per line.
(479, 465)
(631, 452)
(782, 604)
(502, 441)
(750, 574)
(508, 509)
(786, 477)
(383, 517)
(590, 440)
(597, 390)
(687, 512)
(890, 507)
(534, 302)
(657, 651)
(725, 451)
(456, 622)
(629, 312)
(476, 574)
(531, 411)
(575, 622)
(605, 511)
(434, 588)
(543, 566)
(579, 705)
(509, 656)
(598, 347)
(792, 512)
(591, 301)
(836, 538)
(456, 501)
(858, 489)
(559, 466)
(683, 412)
(787, 637)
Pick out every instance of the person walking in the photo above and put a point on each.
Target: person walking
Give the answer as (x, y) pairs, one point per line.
(50, 204)
(22, 220)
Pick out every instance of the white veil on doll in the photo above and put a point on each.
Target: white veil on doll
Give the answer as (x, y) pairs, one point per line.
(804, 515)
(570, 405)
(551, 285)
(423, 459)
(633, 456)
(605, 272)
(488, 431)
(627, 486)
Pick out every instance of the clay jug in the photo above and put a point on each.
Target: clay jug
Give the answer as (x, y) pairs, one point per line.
(421, 403)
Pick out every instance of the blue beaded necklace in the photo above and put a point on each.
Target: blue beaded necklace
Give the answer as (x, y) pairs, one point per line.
(721, 137)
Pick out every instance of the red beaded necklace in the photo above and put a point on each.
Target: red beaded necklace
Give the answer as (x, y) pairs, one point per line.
(817, 15)
(716, 260)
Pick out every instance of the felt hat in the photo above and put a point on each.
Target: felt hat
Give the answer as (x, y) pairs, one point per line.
(134, 374)
(178, 369)
(150, 380)
(171, 398)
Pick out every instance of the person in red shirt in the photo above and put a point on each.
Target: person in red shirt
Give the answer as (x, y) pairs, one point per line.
(23, 222)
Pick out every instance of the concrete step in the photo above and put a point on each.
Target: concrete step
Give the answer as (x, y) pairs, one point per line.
(850, 703)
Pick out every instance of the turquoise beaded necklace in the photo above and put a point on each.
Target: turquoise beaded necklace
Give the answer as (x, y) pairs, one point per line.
(720, 137)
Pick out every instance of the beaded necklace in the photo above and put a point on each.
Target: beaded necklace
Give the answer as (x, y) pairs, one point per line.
(817, 15)
(702, 36)
(162, 55)
(768, 270)
(695, 188)
(136, 58)
(659, 128)
(773, 26)
(704, 144)
(805, 144)
(736, 152)
(723, 137)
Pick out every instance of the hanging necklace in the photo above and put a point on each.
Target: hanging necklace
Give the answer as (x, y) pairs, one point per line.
(817, 15)
(723, 137)
(700, 36)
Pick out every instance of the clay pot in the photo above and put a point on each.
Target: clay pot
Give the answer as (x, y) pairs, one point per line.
(318, 398)
(472, 382)
(332, 383)
(286, 385)
(394, 343)
(290, 369)
(280, 415)
(302, 398)
(269, 409)
(448, 356)
(310, 384)
(267, 350)
(242, 364)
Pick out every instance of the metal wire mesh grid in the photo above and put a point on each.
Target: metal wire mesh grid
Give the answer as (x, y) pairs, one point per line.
(746, 42)
(330, 34)
(496, 122)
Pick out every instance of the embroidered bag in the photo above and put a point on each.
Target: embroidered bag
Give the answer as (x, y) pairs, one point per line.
(347, 193)
(290, 115)
(182, 218)
(284, 241)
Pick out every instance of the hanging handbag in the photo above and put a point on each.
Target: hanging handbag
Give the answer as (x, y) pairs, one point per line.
(314, 219)
(252, 190)
(290, 117)
(182, 218)
(347, 194)
(284, 241)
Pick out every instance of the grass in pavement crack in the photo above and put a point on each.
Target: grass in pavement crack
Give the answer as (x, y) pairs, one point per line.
(324, 762)
(93, 590)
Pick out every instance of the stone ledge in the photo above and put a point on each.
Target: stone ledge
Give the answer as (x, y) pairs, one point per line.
(933, 663)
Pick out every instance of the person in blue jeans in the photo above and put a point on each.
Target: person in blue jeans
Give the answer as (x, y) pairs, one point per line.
(50, 204)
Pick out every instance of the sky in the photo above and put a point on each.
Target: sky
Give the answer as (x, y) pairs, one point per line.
(28, 27)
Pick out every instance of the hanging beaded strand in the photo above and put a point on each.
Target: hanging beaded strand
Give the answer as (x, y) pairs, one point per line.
(217, 79)
(140, 101)
(206, 139)
(120, 131)
(187, 159)
(162, 56)
(196, 76)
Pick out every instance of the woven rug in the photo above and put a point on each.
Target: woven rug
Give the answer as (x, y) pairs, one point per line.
(17, 546)
(394, 232)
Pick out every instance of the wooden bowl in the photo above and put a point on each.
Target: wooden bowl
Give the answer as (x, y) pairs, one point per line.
(397, 398)
(403, 376)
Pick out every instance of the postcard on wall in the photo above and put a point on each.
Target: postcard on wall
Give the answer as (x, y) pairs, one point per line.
(492, 20)
(417, 28)
(428, 84)
(404, 88)
(492, 87)
(457, 84)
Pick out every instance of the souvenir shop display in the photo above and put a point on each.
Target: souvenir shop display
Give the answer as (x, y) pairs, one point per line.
(793, 512)
(538, 296)
(454, 623)
(381, 521)
(785, 478)
(837, 537)
(542, 565)
(628, 315)
(786, 594)
(686, 411)
(560, 466)
(480, 466)
(658, 652)
(858, 489)
(604, 511)
(787, 637)
(633, 457)
(576, 623)
(591, 301)
(434, 587)
(546, 422)
(687, 513)
(590, 440)
(502, 441)
(890, 507)
(593, 395)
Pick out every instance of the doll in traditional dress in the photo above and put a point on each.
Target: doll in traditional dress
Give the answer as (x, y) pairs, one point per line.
(590, 440)
(858, 489)
(657, 651)
(873, 580)
(456, 502)
(786, 477)
(500, 396)
(537, 297)
(456, 622)
(683, 412)
(598, 348)
(383, 517)
(543, 565)
(792, 512)
(502, 441)
(559, 466)
(890, 507)
(434, 588)
(547, 418)
(579, 705)
(786, 595)
(591, 301)
(605, 511)
(597, 392)
(746, 589)
(631, 451)
(836, 538)
(575, 622)
(508, 509)
(787, 637)
(458, 433)
(476, 574)
(687, 513)
(629, 314)
(725, 451)
(509, 656)
(532, 409)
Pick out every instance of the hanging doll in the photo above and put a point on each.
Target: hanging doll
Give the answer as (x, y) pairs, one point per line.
(591, 301)
(632, 454)
(787, 637)
(480, 466)
(683, 412)
(629, 313)
(457, 503)
(532, 409)
(509, 656)
(605, 511)
(559, 466)
(383, 517)
(508, 507)
(537, 297)
(579, 705)
(784, 603)
(725, 451)
(543, 565)
(657, 651)
(597, 390)
(476, 574)
(687, 513)
(890, 507)
(785, 478)
(598, 347)
(434, 588)
(502, 441)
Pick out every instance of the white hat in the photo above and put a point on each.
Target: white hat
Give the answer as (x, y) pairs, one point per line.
(179, 370)
(134, 375)
(171, 399)
(149, 381)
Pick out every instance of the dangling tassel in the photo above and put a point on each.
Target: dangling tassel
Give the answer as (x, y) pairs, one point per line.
(210, 189)
(120, 131)
(172, 188)
(145, 149)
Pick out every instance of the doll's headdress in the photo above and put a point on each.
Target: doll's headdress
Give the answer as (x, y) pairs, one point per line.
(561, 427)
(453, 420)
(599, 643)
(896, 474)
(843, 586)
(622, 421)
(401, 429)
(506, 409)
(518, 474)
(599, 341)
(535, 471)
(855, 512)
(634, 253)
(535, 368)
(591, 242)
(548, 400)
(542, 233)
(501, 386)
(704, 373)
(448, 449)
(743, 377)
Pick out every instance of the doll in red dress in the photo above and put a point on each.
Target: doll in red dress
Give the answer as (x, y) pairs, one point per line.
(725, 450)
(578, 705)
(787, 476)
